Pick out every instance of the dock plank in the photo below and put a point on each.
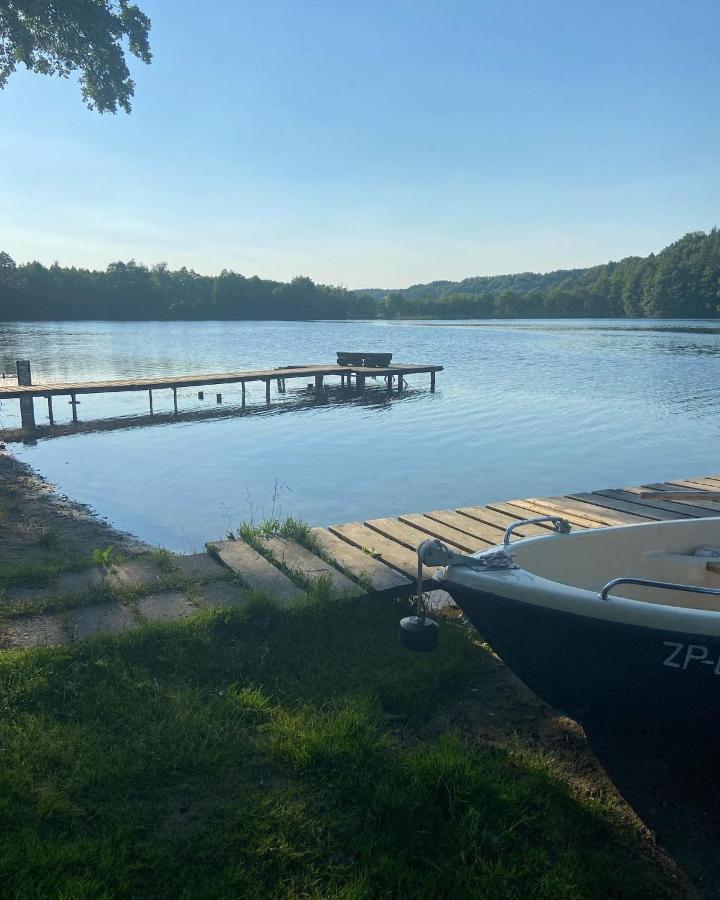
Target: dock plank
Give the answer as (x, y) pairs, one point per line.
(491, 516)
(254, 570)
(360, 565)
(457, 518)
(404, 534)
(445, 533)
(590, 515)
(298, 558)
(671, 506)
(524, 510)
(162, 382)
(390, 552)
(637, 508)
(697, 501)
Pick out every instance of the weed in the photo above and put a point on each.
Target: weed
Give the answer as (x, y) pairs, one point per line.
(50, 537)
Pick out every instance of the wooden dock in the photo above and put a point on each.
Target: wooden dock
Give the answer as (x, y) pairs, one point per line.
(380, 554)
(352, 377)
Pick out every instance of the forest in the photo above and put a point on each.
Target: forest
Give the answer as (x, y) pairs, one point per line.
(682, 281)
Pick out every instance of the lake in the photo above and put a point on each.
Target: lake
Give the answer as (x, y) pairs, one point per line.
(523, 408)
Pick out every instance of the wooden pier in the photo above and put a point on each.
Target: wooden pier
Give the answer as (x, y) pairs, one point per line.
(351, 377)
(380, 554)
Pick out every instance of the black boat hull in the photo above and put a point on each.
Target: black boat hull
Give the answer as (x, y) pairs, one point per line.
(599, 670)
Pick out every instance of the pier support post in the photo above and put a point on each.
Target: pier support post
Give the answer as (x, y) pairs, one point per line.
(175, 399)
(74, 404)
(318, 384)
(27, 407)
(242, 385)
(401, 382)
(267, 392)
(152, 412)
(50, 410)
(389, 384)
(359, 383)
(432, 382)
(218, 398)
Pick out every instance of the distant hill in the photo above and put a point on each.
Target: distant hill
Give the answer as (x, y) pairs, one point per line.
(682, 281)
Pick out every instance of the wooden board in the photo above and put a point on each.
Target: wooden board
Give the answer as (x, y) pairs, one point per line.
(390, 552)
(491, 516)
(677, 509)
(210, 378)
(445, 533)
(596, 516)
(299, 559)
(254, 570)
(524, 511)
(360, 565)
(404, 534)
(619, 505)
(488, 534)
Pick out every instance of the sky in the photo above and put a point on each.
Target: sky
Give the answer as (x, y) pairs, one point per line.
(377, 144)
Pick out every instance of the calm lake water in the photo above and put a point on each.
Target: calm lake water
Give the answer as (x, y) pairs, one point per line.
(522, 409)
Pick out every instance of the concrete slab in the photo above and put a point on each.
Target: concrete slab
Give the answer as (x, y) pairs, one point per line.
(65, 583)
(143, 572)
(200, 566)
(101, 618)
(167, 607)
(217, 594)
(35, 631)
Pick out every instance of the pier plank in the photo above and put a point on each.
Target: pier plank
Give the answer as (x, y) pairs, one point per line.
(493, 519)
(298, 558)
(695, 497)
(677, 509)
(488, 534)
(254, 570)
(592, 516)
(433, 528)
(162, 382)
(360, 565)
(619, 505)
(404, 534)
(390, 552)
(523, 510)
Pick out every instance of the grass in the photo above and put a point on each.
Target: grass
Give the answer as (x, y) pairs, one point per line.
(285, 753)
(43, 574)
(289, 527)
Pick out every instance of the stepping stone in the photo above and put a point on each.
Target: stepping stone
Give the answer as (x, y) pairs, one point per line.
(101, 618)
(218, 594)
(65, 583)
(146, 573)
(298, 558)
(34, 631)
(254, 570)
(167, 607)
(79, 582)
(200, 566)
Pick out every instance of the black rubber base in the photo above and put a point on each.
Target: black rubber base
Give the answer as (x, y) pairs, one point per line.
(419, 634)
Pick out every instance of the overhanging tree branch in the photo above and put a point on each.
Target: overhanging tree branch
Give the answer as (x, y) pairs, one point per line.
(59, 37)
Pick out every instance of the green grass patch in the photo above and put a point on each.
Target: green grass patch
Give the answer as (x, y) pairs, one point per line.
(284, 753)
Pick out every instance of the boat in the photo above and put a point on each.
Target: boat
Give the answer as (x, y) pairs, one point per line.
(616, 625)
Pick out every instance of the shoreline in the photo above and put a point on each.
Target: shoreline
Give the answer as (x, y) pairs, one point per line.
(30, 504)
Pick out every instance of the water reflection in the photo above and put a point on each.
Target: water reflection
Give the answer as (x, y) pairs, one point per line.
(522, 409)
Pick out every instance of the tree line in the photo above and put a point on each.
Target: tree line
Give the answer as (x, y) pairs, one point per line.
(682, 281)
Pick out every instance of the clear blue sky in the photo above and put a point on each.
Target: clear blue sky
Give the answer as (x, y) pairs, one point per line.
(377, 143)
